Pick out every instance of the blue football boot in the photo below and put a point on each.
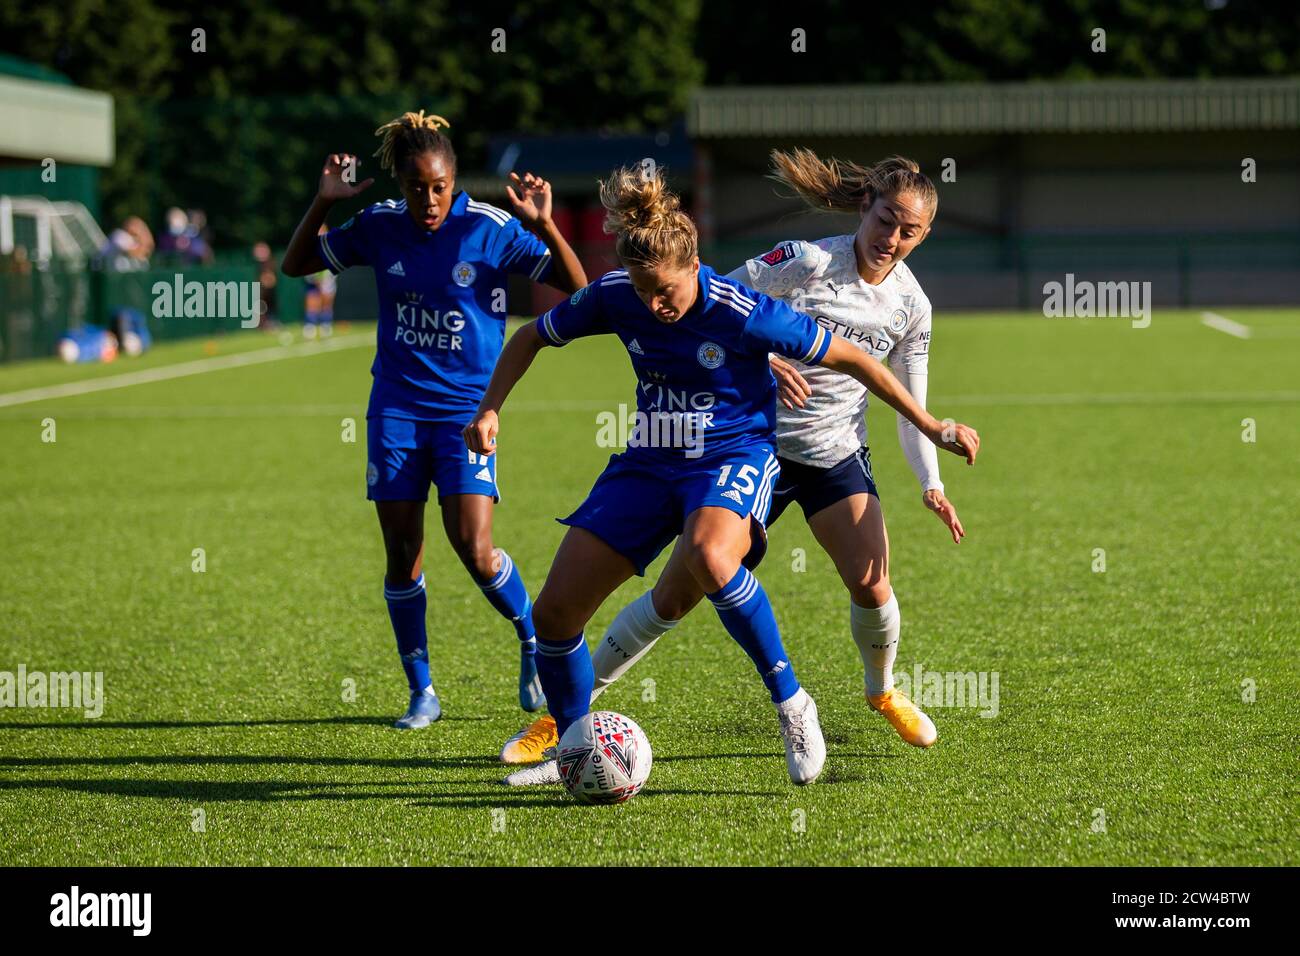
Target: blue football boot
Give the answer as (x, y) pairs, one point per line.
(423, 711)
(531, 697)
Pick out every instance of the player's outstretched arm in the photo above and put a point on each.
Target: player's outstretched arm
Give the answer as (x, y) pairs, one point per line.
(959, 439)
(531, 205)
(481, 433)
(302, 258)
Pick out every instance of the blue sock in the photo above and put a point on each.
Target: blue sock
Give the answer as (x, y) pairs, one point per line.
(406, 608)
(506, 593)
(567, 678)
(747, 615)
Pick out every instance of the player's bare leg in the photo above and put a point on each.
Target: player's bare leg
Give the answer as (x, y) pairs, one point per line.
(852, 532)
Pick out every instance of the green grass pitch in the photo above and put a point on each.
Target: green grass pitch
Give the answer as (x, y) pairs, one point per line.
(1126, 729)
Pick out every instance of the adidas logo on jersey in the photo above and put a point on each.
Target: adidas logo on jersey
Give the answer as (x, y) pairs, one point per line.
(396, 269)
(484, 474)
(733, 494)
(635, 347)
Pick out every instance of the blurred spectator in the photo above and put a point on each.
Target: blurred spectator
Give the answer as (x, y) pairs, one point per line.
(318, 318)
(186, 236)
(128, 247)
(267, 275)
(17, 262)
(175, 240)
(200, 239)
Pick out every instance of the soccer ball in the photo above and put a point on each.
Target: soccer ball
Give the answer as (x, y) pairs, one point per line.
(604, 758)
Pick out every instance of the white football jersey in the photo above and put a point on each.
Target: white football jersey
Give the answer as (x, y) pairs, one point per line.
(890, 321)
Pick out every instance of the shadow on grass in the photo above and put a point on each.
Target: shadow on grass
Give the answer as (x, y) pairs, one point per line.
(554, 796)
(201, 724)
(772, 755)
(220, 791)
(275, 760)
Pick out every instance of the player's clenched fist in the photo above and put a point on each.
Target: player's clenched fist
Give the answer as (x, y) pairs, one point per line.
(338, 180)
(481, 433)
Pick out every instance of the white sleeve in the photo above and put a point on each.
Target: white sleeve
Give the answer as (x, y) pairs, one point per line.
(910, 362)
(789, 266)
(919, 451)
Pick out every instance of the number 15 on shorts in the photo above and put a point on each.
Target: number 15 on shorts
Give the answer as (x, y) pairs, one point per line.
(744, 482)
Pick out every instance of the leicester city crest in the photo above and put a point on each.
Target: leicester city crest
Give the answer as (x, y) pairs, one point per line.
(711, 355)
(463, 274)
(898, 321)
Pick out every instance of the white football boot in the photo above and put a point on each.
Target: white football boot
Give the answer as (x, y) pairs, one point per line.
(548, 771)
(805, 748)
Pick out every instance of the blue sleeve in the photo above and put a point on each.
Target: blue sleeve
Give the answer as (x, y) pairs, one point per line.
(347, 245)
(578, 315)
(775, 327)
(517, 251)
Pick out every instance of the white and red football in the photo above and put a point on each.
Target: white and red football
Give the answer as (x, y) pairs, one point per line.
(604, 758)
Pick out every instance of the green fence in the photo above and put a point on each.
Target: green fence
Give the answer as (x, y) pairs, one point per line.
(37, 306)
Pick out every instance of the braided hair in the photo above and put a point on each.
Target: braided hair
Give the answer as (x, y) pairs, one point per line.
(409, 135)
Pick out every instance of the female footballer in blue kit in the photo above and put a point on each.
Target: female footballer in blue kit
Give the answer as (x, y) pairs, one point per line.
(856, 285)
(699, 345)
(441, 261)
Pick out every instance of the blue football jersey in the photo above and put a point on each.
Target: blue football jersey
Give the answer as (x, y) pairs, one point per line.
(442, 310)
(708, 371)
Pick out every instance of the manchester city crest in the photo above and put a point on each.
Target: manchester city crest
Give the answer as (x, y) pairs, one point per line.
(463, 274)
(898, 321)
(711, 355)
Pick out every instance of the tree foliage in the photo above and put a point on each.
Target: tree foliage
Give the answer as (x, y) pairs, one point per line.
(240, 128)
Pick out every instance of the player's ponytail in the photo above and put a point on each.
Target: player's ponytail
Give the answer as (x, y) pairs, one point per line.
(409, 135)
(646, 218)
(836, 185)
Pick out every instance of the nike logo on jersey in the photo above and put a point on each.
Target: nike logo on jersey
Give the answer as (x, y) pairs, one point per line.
(635, 347)
(396, 269)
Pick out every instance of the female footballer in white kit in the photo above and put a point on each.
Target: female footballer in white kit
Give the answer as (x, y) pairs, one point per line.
(858, 287)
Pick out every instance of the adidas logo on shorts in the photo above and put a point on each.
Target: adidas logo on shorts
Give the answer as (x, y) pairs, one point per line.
(733, 494)
(484, 474)
(396, 269)
(635, 347)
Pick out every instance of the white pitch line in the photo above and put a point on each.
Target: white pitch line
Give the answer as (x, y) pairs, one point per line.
(196, 367)
(1119, 398)
(159, 412)
(1224, 324)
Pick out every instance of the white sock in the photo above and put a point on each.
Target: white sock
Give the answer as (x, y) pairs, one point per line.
(629, 638)
(875, 631)
(795, 701)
